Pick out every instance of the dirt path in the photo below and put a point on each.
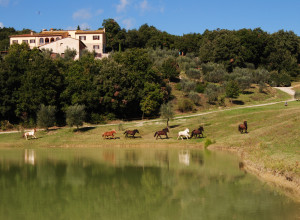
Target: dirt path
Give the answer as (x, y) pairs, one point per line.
(288, 90)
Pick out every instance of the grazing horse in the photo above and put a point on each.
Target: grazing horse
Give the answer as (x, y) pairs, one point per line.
(129, 132)
(109, 134)
(163, 132)
(184, 133)
(30, 133)
(243, 127)
(198, 132)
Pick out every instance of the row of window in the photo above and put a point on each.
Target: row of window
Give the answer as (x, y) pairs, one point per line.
(95, 37)
(24, 41)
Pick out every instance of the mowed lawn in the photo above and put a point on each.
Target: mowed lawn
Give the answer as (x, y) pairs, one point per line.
(272, 141)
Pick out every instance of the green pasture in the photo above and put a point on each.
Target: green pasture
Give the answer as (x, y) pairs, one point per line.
(272, 140)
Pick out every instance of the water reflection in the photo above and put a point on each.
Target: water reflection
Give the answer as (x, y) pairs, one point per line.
(29, 156)
(184, 157)
(133, 184)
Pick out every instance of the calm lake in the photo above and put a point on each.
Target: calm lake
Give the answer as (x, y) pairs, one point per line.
(133, 183)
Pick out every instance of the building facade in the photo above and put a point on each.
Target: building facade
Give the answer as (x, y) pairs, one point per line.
(93, 41)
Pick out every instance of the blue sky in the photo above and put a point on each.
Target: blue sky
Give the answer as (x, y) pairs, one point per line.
(173, 16)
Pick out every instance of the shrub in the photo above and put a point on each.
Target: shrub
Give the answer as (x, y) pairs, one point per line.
(297, 95)
(217, 75)
(187, 85)
(212, 92)
(185, 105)
(97, 119)
(200, 87)
(5, 125)
(195, 97)
(46, 116)
(193, 73)
(208, 142)
(232, 89)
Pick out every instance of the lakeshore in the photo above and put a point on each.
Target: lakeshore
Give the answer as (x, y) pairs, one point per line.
(269, 150)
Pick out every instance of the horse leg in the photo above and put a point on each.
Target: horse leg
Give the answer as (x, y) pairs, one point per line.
(167, 136)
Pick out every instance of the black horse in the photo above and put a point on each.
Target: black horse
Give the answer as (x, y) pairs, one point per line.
(132, 133)
(243, 127)
(198, 132)
(163, 132)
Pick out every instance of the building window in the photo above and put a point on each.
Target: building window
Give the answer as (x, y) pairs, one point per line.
(96, 47)
(32, 41)
(52, 39)
(47, 40)
(82, 37)
(57, 38)
(25, 41)
(15, 41)
(96, 37)
(41, 40)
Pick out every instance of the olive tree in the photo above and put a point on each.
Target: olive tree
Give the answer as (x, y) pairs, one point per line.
(166, 112)
(75, 115)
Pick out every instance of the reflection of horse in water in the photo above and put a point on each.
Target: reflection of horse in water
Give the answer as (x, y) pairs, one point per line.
(184, 133)
(243, 127)
(109, 134)
(30, 133)
(184, 157)
(132, 133)
(29, 156)
(163, 132)
(198, 132)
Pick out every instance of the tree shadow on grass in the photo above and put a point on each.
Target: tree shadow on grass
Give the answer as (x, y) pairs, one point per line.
(238, 102)
(84, 129)
(174, 126)
(247, 92)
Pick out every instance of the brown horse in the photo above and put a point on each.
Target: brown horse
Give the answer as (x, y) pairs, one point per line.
(198, 132)
(109, 134)
(132, 133)
(163, 132)
(243, 127)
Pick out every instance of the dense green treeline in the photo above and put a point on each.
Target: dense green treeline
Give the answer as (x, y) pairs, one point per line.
(279, 51)
(126, 85)
(133, 81)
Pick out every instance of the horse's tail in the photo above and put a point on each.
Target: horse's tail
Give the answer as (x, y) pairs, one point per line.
(192, 133)
(155, 134)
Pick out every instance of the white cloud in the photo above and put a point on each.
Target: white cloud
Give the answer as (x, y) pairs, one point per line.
(122, 5)
(144, 6)
(85, 26)
(99, 11)
(82, 14)
(1, 25)
(129, 23)
(4, 2)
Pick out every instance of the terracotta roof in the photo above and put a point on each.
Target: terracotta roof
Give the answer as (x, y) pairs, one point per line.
(90, 32)
(36, 35)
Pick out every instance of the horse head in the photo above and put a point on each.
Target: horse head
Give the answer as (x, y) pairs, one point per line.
(136, 131)
(166, 129)
(187, 130)
(245, 123)
(201, 128)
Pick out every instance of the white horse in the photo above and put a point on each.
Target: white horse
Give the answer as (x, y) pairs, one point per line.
(30, 133)
(184, 133)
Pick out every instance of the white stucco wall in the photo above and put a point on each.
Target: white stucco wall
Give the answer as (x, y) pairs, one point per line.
(61, 45)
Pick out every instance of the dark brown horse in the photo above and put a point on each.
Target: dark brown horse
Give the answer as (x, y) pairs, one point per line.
(163, 132)
(198, 132)
(132, 133)
(243, 127)
(109, 134)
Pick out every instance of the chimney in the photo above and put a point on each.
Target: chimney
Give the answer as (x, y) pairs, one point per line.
(31, 32)
(51, 29)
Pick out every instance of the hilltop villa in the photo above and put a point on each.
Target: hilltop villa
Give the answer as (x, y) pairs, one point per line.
(59, 41)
